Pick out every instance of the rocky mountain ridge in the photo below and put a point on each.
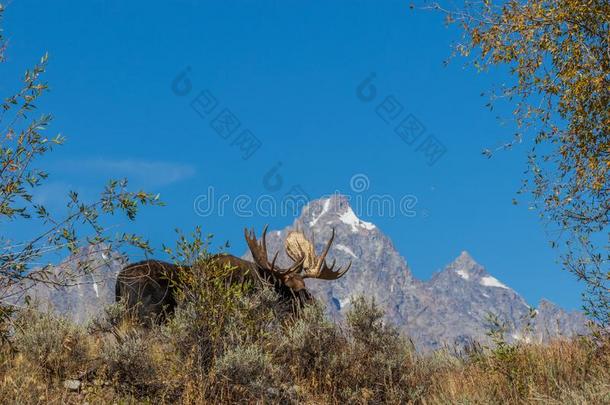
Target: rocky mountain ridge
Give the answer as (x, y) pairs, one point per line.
(90, 276)
(452, 307)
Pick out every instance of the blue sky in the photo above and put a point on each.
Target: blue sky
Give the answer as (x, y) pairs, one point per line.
(289, 72)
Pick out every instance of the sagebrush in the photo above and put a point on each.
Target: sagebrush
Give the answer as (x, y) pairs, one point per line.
(226, 344)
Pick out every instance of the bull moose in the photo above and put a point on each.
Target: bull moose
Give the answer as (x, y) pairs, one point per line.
(149, 287)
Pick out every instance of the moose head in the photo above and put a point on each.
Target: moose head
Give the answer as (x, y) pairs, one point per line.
(290, 282)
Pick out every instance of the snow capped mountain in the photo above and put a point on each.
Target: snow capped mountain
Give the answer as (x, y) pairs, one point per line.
(451, 307)
(464, 297)
(469, 270)
(357, 241)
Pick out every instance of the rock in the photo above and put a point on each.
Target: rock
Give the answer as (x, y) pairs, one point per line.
(72, 385)
(273, 392)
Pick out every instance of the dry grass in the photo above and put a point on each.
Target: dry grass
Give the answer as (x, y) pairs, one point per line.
(234, 345)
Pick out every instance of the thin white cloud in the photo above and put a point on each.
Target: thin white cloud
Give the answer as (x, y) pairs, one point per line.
(52, 195)
(144, 172)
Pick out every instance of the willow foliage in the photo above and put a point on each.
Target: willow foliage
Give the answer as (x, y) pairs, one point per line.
(558, 55)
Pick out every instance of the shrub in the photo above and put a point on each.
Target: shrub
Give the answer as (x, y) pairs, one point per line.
(378, 359)
(247, 365)
(51, 342)
(188, 332)
(310, 343)
(132, 364)
(215, 313)
(110, 319)
(367, 327)
(306, 359)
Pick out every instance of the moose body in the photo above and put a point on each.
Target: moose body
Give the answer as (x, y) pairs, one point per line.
(150, 287)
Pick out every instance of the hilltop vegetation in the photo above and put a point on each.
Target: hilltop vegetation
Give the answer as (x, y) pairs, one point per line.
(236, 343)
(230, 343)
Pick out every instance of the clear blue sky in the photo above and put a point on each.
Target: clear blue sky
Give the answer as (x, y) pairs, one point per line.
(288, 70)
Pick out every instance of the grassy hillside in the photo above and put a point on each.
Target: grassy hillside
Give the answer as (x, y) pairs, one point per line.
(236, 343)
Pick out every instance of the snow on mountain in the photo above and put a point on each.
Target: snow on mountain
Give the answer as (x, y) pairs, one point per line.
(346, 249)
(490, 281)
(350, 218)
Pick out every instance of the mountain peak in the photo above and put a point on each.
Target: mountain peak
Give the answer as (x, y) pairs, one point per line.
(465, 258)
(547, 305)
(332, 210)
(466, 267)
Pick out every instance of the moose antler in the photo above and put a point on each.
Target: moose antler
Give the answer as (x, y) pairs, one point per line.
(299, 247)
(259, 254)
